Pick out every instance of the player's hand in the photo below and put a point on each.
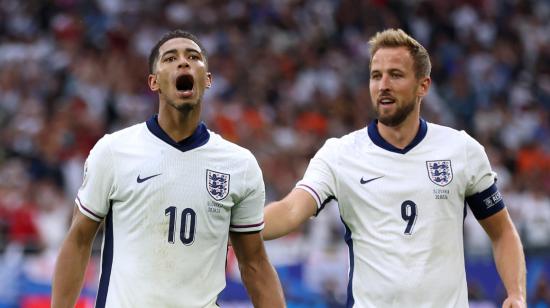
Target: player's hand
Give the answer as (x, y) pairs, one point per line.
(514, 302)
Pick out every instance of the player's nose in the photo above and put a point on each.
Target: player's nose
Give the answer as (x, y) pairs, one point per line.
(183, 63)
(384, 83)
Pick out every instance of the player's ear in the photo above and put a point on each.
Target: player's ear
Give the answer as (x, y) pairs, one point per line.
(208, 80)
(424, 86)
(152, 80)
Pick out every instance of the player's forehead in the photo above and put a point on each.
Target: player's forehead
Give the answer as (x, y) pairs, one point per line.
(392, 57)
(179, 44)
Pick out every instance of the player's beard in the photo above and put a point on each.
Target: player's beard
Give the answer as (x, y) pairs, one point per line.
(187, 107)
(396, 118)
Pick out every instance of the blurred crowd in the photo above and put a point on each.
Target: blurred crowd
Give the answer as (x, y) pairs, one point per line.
(287, 75)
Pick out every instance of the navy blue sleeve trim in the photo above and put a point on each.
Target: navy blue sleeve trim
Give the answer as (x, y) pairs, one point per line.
(327, 200)
(486, 203)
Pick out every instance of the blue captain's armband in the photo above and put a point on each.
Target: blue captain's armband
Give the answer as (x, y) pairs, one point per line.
(486, 203)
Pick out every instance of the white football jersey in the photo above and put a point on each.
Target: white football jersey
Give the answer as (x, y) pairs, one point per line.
(404, 211)
(168, 208)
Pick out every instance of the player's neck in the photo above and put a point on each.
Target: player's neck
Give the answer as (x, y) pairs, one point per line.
(177, 125)
(402, 135)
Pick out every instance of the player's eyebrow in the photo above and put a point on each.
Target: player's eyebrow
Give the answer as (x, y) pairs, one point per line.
(188, 49)
(375, 71)
(389, 70)
(395, 70)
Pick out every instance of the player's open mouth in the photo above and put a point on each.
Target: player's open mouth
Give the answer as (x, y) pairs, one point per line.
(184, 85)
(386, 100)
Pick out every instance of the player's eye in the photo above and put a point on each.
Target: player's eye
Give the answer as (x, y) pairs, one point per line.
(194, 57)
(169, 59)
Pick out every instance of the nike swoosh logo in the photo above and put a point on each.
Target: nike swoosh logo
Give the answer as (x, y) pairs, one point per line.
(369, 180)
(141, 180)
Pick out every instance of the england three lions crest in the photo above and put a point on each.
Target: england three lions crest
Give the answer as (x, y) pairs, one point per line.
(217, 184)
(440, 172)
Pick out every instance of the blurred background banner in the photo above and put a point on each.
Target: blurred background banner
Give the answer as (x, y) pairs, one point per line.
(287, 75)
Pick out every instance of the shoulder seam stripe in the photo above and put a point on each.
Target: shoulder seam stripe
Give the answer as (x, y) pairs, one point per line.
(87, 210)
(313, 190)
(246, 226)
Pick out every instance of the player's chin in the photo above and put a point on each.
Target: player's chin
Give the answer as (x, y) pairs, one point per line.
(384, 115)
(390, 120)
(186, 105)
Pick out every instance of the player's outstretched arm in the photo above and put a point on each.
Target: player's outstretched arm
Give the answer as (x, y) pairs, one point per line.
(258, 275)
(72, 261)
(509, 257)
(283, 217)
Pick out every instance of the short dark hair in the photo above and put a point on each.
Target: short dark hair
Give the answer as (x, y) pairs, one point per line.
(168, 36)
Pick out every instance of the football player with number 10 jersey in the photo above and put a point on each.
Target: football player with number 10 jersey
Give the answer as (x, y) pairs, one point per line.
(169, 193)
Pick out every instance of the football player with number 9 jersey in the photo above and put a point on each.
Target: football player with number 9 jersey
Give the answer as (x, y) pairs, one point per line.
(401, 185)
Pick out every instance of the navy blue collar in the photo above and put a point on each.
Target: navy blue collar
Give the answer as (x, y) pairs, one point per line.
(375, 136)
(197, 139)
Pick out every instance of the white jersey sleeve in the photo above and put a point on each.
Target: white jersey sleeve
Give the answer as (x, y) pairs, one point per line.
(481, 191)
(247, 215)
(97, 186)
(319, 179)
(479, 173)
